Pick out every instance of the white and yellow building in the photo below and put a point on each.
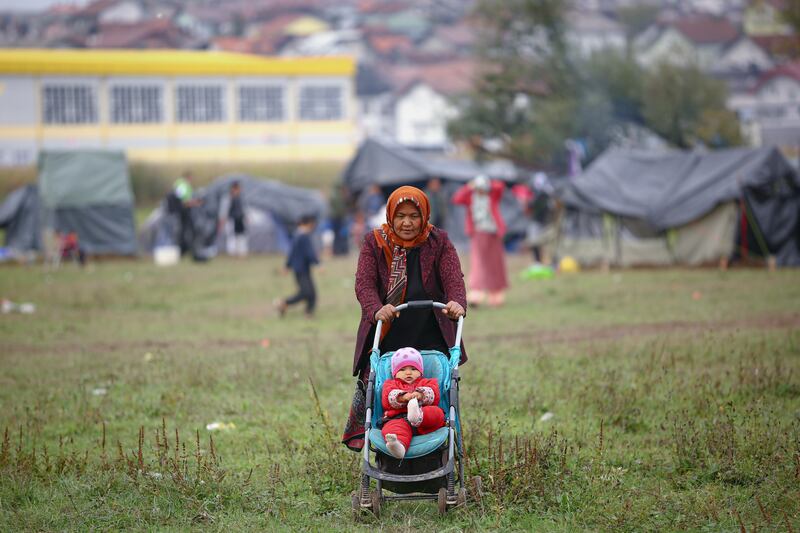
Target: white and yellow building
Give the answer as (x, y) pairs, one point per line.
(176, 105)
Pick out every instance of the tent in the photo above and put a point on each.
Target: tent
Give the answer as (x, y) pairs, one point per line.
(272, 209)
(19, 217)
(87, 192)
(637, 208)
(390, 165)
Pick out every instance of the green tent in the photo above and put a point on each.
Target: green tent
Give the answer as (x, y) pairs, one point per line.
(88, 192)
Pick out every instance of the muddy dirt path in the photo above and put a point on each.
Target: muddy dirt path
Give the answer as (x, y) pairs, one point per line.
(569, 335)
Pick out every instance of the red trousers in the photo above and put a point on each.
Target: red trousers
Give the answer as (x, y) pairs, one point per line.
(432, 419)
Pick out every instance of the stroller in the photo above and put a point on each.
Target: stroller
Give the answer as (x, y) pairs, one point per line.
(433, 462)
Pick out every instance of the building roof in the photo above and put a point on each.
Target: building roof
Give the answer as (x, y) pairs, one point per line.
(239, 45)
(388, 43)
(305, 26)
(457, 34)
(383, 7)
(278, 25)
(119, 35)
(787, 70)
(706, 29)
(583, 22)
(95, 8)
(448, 77)
(778, 45)
(166, 63)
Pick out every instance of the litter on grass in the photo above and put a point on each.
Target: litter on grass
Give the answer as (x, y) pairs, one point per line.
(7, 306)
(537, 271)
(220, 426)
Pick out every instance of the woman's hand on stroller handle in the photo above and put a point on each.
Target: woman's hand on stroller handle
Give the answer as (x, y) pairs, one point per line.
(387, 313)
(453, 310)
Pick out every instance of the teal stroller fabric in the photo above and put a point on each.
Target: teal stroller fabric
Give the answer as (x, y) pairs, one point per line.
(437, 366)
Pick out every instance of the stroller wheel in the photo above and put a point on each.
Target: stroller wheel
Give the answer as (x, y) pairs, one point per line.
(442, 500)
(376, 503)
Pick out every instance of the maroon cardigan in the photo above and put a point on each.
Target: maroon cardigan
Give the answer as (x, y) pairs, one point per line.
(442, 280)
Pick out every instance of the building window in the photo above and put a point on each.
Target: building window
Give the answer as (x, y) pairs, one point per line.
(321, 102)
(771, 112)
(200, 103)
(69, 104)
(260, 103)
(136, 104)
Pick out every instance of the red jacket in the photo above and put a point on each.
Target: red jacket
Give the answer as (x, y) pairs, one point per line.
(441, 277)
(392, 388)
(463, 196)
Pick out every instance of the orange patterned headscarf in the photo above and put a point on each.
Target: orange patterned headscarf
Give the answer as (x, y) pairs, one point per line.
(395, 248)
(385, 236)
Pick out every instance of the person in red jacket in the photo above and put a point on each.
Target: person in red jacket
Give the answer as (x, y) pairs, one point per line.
(410, 403)
(486, 228)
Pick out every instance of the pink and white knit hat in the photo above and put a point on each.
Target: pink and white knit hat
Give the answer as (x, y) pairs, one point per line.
(406, 357)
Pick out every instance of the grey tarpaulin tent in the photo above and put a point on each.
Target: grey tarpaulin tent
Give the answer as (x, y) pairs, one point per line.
(632, 207)
(19, 217)
(87, 192)
(272, 210)
(390, 165)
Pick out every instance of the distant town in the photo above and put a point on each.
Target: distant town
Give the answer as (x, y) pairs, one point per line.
(415, 57)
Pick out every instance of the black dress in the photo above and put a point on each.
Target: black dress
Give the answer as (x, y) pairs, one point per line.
(416, 328)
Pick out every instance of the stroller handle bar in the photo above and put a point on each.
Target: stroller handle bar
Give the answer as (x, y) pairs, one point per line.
(419, 304)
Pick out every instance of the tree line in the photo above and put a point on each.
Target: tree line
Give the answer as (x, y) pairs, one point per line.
(534, 92)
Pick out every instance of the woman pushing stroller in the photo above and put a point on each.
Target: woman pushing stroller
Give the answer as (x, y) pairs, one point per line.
(406, 259)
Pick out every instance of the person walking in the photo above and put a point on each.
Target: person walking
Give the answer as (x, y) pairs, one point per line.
(300, 260)
(486, 228)
(405, 259)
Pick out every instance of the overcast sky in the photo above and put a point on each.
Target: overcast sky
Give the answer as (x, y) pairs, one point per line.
(33, 5)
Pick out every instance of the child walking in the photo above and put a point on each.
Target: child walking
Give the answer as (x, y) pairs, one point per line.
(301, 257)
(410, 403)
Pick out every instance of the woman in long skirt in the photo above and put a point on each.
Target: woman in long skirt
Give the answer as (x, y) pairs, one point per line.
(485, 227)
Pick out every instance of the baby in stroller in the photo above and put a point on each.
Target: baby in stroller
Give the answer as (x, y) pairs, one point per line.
(410, 403)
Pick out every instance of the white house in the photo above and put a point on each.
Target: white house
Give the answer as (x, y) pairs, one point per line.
(421, 115)
(697, 40)
(743, 55)
(770, 113)
(589, 32)
(424, 100)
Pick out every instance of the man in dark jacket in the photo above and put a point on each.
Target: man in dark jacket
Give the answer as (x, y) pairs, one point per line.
(301, 257)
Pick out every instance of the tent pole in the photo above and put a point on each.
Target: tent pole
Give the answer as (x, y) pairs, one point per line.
(743, 229)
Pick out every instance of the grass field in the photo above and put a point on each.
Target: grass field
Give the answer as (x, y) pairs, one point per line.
(675, 395)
